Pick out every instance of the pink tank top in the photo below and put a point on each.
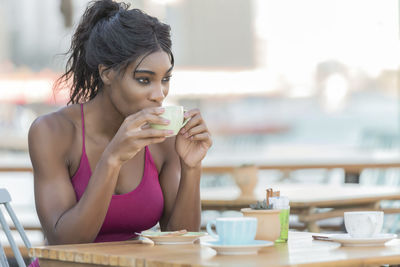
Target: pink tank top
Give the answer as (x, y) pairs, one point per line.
(128, 213)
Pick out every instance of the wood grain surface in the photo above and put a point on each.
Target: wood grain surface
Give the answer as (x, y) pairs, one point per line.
(300, 251)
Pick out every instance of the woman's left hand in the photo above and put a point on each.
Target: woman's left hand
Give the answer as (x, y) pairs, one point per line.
(193, 140)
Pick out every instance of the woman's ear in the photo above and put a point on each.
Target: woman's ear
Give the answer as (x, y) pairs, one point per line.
(106, 74)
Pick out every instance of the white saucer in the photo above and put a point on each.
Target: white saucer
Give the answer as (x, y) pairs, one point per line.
(162, 238)
(251, 248)
(348, 241)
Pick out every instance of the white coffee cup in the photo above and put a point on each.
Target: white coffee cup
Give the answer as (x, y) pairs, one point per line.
(175, 115)
(363, 224)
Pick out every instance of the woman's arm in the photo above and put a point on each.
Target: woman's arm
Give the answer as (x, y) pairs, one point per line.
(180, 175)
(63, 218)
(181, 189)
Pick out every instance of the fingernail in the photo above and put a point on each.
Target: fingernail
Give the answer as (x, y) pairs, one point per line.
(166, 121)
(186, 114)
(170, 132)
(183, 131)
(160, 110)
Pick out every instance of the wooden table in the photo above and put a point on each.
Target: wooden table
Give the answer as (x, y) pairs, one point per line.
(301, 250)
(306, 200)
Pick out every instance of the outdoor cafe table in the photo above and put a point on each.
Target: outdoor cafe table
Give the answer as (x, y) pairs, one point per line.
(300, 251)
(307, 200)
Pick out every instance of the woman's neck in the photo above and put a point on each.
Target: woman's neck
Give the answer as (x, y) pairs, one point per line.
(103, 115)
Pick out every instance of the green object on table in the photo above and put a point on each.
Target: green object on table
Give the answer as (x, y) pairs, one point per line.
(284, 220)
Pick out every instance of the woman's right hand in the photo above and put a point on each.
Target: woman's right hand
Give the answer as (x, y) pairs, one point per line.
(134, 134)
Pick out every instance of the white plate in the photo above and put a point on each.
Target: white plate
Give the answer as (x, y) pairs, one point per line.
(252, 248)
(160, 238)
(348, 241)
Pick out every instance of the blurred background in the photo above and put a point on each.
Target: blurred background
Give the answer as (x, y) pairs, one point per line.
(281, 79)
(267, 75)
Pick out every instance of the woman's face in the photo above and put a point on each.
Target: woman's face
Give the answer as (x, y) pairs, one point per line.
(143, 87)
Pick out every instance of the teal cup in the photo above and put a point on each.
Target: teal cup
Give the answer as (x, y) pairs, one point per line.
(233, 231)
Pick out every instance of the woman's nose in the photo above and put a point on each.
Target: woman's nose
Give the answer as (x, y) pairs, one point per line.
(158, 93)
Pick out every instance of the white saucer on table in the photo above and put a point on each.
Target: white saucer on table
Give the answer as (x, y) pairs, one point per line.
(251, 248)
(348, 241)
(162, 238)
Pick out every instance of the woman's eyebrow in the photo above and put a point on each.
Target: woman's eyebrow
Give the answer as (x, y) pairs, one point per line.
(170, 69)
(152, 72)
(145, 71)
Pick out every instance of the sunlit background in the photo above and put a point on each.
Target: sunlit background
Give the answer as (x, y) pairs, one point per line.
(274, 79)
(289, 72)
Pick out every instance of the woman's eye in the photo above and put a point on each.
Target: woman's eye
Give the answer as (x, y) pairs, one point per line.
(166, 79)
(143, 80)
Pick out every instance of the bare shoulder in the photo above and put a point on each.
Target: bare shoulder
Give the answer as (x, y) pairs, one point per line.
(56, 125)
(54, 131)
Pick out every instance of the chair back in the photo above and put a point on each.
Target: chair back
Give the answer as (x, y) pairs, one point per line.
(5, 200)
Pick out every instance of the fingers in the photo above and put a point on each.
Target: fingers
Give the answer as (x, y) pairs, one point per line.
(202, 137)
(147, 116)
(196, 128)
(151, 133)
(138, 125)
(195, 119)
(136, 140)
(146, 126)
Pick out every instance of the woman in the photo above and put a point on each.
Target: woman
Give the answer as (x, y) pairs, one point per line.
(101, 174)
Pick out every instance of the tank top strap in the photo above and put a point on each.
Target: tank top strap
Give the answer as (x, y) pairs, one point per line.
(148, 158)
(83, 130)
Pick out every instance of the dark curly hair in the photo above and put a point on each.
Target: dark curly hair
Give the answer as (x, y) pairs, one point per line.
(110, 34)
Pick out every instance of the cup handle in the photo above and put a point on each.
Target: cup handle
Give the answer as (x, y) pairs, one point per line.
(210, 231)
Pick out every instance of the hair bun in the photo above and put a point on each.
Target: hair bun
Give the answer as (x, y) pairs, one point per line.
(101, 9)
